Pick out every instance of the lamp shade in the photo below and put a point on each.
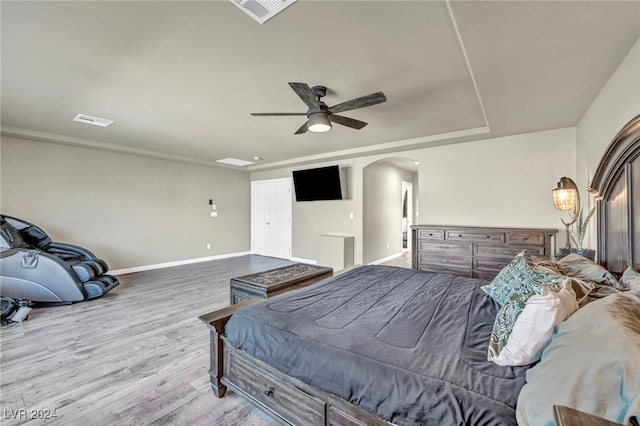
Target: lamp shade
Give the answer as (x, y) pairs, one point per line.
(565, 196)
(564, 199)
(319, 122)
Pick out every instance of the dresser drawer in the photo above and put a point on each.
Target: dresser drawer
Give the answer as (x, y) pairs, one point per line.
(467, 235)
(444, 247)
(536, 238)
(448, 269)
(430, 234)
(488, 274)
(506, 251)
(443, 259)
(295, 405)
(491, 263)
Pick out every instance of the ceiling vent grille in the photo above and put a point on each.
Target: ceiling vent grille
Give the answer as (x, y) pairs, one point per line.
(235, 162)
(263, 10)
(87, 119)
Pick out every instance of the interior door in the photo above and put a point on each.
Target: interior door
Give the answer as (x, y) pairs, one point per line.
(271, 217)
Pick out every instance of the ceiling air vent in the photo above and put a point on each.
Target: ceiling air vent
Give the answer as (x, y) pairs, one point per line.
(87, 119)
(235, 162)
(262, 10)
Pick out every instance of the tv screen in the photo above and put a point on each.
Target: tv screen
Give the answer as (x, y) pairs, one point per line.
(317, 184)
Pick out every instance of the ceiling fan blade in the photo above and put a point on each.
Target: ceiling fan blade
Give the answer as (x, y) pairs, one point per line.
(302, 129)
(361, 102)
(349, 122)
(304, 92)
(276, 114)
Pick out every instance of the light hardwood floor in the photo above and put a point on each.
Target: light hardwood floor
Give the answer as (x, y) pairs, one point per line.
(136, 356)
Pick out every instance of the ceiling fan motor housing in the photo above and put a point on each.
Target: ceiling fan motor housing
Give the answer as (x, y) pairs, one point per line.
(319, 91)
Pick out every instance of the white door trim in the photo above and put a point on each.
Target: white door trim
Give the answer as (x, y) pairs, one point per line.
(271, 220)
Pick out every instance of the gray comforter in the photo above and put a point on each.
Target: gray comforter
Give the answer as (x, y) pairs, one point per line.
(407, 346)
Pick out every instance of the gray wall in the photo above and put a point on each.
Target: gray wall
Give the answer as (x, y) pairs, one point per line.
(132, 211)
(382, 215)
(136, 211)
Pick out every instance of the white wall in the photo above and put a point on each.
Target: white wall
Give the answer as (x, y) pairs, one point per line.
(616, 104)
(311, 219)
(132, 211)
(382, 214)
(496, 182)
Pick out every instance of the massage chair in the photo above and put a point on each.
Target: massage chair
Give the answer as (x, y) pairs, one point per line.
(34, 268)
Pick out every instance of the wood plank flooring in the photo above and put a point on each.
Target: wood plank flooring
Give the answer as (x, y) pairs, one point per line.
(136, 356)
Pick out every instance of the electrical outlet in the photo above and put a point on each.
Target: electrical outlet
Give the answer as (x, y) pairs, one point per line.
(208, 246)
(214, 214)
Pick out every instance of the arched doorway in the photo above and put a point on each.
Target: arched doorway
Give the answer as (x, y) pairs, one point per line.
(387, 212)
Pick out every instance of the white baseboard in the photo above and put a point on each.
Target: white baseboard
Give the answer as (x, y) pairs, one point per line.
(301, 260)
(176, 263)
(386, 259)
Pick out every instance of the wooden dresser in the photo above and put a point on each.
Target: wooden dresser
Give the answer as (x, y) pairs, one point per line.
(475, 251)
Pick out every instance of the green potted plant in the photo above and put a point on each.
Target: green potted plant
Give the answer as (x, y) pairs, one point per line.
(578, 234)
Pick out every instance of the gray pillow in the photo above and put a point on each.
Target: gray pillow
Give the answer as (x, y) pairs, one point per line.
(631, 279)
(574, 265)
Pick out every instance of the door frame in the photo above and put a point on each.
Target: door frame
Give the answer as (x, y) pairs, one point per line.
(409, 187)
(289, 190)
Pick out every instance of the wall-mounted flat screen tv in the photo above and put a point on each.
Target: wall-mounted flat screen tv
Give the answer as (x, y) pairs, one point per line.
(323, 183)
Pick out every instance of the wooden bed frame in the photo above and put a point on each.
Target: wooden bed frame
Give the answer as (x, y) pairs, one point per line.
(616, 186)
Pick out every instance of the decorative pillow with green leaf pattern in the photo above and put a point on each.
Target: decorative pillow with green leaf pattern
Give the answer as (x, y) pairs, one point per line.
(518, 277)
(505, 321)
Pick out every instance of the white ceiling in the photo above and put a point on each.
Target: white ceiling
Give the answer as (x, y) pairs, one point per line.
(181, 78)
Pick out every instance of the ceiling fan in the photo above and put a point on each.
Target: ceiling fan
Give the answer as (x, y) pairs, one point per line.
(320, 115)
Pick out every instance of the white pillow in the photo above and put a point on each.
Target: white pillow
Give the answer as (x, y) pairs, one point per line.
(591, 364)
(534, 327)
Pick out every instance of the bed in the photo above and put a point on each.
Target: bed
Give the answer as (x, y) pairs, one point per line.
(382, 345)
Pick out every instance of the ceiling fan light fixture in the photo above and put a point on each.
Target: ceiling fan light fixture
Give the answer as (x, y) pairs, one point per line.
(319, 122)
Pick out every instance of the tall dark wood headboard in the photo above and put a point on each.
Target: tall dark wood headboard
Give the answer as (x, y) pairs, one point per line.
(616, 186)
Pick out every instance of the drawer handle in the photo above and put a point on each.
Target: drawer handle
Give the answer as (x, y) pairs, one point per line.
(488, 236)
(268, 391)
(431, 235)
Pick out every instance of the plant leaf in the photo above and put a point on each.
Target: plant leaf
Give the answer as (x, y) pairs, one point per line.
(581, 227)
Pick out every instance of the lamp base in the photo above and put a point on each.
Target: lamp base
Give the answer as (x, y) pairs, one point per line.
(588, 253)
